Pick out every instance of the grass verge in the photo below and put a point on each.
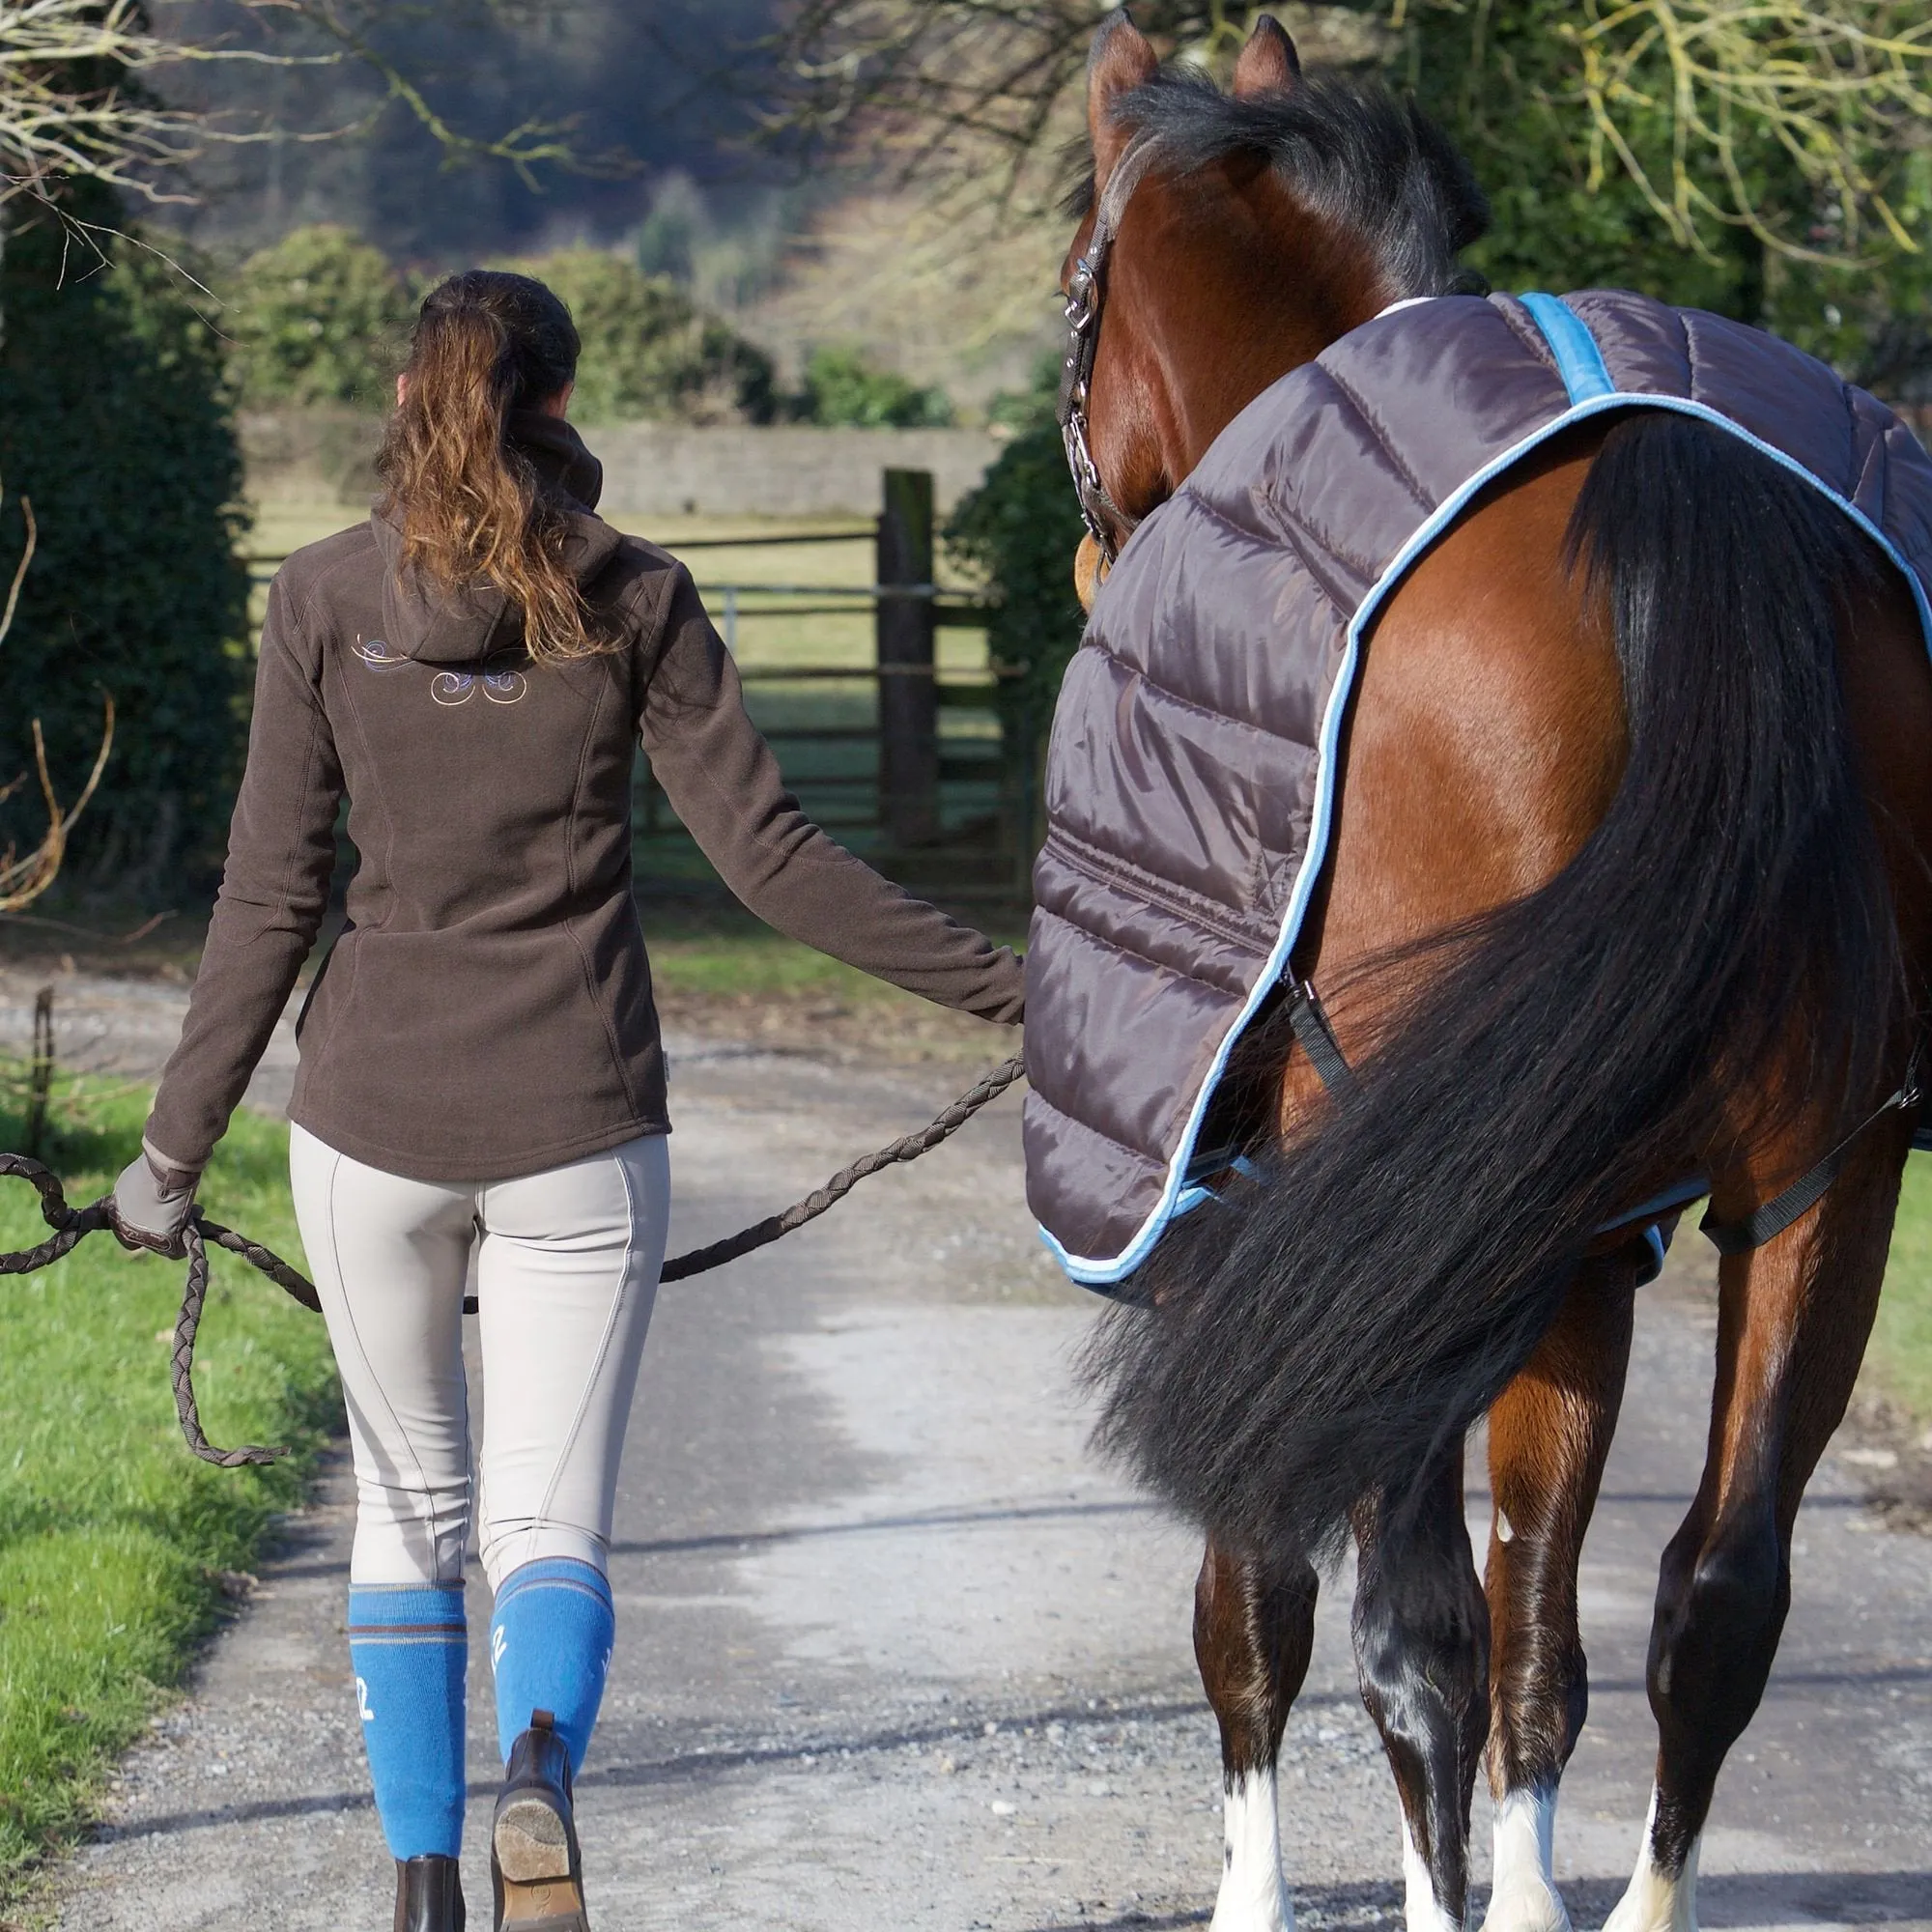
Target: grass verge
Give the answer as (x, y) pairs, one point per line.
(1900, 1360)
(113, 1539)
(713, 948)
(718, 971)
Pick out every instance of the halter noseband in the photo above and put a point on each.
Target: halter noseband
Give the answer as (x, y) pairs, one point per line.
(1085, 290)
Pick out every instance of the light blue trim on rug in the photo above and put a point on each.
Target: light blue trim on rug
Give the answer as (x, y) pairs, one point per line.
(1579, 360)
(1095, 1272)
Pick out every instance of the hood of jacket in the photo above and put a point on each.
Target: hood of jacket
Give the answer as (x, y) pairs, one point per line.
(479, 621)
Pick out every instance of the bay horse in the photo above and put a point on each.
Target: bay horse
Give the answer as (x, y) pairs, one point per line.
(1630, 883)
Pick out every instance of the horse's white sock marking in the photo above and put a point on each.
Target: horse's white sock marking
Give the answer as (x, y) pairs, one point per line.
(1419, 1909)
(1253, 1895)
(1524, 1897)
(1656, 1902)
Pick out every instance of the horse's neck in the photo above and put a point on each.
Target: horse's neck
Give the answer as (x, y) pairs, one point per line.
(1225, 392)
(1268, 331)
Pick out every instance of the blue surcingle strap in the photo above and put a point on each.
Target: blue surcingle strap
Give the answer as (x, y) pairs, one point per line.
(1579, 360)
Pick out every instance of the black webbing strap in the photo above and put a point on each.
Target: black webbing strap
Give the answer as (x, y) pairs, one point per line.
(1317, 1039)
(1766, 1223)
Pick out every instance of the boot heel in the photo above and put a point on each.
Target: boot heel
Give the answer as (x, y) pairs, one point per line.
(535, 1869)
(532, 1843)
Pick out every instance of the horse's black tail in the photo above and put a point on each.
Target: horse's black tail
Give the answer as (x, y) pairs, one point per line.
(1323, 1332)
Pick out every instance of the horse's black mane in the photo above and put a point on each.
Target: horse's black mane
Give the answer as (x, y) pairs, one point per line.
(1351, 150)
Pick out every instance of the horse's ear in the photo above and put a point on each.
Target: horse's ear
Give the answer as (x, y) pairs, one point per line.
(1268, 63)
(1120, 61)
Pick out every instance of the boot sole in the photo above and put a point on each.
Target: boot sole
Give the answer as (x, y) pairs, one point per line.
(533, 1850)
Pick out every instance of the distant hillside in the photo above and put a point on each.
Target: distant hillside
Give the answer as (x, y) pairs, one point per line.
(835, 258)
(665, 83)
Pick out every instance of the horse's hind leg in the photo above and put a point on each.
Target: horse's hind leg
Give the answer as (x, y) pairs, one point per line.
(1793, 1321)
(1422, 1641)
(1549, 1432)
(1253, 1635)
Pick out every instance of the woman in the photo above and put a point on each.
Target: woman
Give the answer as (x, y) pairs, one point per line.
(481, 1080)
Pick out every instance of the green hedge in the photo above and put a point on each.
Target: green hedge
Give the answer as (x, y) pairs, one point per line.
(115, 421)
(1504, 82)
(1019, 531)
(319, 317)
(650, 352)
(842, 386)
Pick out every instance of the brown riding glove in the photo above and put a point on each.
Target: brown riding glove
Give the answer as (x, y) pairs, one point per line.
(151, 1203)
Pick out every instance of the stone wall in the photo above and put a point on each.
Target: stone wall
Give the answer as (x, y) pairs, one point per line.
(661, 469)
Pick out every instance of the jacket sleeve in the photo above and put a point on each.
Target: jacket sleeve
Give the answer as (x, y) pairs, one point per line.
(274, 888)
(722, 781)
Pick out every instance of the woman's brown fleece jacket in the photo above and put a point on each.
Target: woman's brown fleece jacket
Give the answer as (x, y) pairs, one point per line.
(486, 1013)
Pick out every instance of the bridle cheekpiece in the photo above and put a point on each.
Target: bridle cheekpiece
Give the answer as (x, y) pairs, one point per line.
(1086, 290)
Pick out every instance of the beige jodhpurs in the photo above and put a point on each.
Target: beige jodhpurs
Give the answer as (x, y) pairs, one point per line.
(565, 1270)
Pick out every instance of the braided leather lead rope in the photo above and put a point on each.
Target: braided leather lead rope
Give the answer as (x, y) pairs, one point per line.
(908, 1147)
(72, 1225)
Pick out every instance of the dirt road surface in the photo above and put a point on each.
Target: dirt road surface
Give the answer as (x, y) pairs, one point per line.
(894, 1652)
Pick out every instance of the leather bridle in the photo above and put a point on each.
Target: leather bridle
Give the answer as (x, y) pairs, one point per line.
(1085, 291)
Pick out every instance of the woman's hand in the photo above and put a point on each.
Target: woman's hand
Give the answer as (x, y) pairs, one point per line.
(151, 1203)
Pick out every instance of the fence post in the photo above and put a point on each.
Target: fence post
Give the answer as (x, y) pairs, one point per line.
(908, 693)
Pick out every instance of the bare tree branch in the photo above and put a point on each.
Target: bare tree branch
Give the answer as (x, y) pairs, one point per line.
(81, 93)
(1843, 87)
(21, 570)
(23, 880)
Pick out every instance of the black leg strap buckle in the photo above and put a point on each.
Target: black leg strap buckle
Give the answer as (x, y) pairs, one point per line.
(1317, 1039)
(1766, 1223)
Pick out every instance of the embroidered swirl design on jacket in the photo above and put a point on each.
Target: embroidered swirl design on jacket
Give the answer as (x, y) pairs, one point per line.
(378, 656)
(500, 682)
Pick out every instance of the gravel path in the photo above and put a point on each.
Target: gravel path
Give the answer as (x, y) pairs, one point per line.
(893, 1652)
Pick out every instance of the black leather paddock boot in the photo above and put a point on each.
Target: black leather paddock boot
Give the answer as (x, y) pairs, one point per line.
(429, 1894)
(535, 1869)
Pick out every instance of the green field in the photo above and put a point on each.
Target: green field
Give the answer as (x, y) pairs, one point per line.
(114, 1540)
(767, 635)
(701, 952)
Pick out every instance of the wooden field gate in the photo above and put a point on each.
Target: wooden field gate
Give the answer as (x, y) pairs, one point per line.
(930, 773)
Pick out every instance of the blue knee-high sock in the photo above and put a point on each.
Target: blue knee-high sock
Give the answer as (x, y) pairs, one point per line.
(409, 1649)
(549, 1646)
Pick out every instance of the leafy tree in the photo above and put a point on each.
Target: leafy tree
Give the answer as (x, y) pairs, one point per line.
(1019, 531)
(840, 386)
(319, 318)
(1768, 158)
(650, 352)
(115, 424)
(1771, 159)
(674, 231)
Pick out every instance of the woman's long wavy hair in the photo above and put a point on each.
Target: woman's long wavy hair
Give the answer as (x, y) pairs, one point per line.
(471, 506)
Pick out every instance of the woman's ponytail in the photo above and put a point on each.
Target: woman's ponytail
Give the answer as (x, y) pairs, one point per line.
(470, 505)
